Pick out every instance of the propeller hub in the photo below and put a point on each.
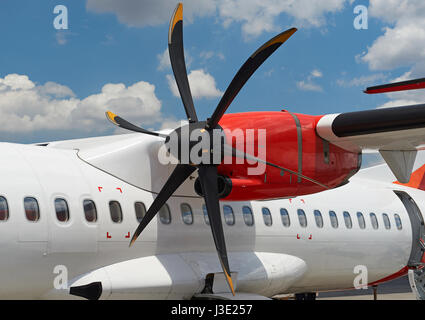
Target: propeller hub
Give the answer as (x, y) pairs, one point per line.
(195, 145)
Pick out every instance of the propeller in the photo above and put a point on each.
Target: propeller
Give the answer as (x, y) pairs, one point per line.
(209, 156)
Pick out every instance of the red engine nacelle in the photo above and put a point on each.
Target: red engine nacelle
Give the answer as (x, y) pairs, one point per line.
(290, 142)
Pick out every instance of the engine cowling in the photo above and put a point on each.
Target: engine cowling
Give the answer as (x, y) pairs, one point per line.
(290, 141)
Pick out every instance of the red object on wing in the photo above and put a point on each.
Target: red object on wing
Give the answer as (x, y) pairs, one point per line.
(397, 86)
(287, 144)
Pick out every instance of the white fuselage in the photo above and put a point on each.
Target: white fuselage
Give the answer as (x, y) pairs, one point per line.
(30, 251)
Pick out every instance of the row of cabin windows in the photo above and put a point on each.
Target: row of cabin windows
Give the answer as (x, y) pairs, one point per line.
(32, 213)
(347, 219)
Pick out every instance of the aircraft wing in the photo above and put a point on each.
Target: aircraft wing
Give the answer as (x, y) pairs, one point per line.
(397, 133)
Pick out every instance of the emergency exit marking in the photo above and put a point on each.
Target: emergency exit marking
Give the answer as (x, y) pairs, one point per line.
(108, 236)
(120, 190)
(100, 189)
(128, 235)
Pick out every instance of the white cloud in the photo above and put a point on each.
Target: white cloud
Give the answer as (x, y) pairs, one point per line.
(256, 16)
(309, 85)
(164, 60)
(362, 81)
(140, 13)
(401, 45)
(316, 73)
(403, 42)
(202, 85)
(172, 124)
(28, 107)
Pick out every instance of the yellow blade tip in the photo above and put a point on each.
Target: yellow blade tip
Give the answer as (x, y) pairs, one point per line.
(111, 116)
(131, 242)
(178, 15)
(230, 282)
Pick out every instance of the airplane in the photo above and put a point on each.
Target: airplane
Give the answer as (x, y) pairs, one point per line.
(68, 209)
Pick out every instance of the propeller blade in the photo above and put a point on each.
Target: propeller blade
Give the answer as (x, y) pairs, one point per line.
(245, 72)
(176, 51)
(208, 178)
(120, 122)
(228, 150)
(179, 175)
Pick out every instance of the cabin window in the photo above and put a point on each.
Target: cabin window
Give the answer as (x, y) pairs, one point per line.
(362, 222)
(334, 219)
(90, 211)
(206, 218)
(32, 210)
(387, 222)
(398, 222)
(140, 210)
(302, 218)
(374, 221)
(248, 216)
(62, 211)
(347, 220)
(164, 214)
(319, 219)
(286, 221)
(187, 214)
(229, 217)
(115, 211)
(4, 209)
(267, 217)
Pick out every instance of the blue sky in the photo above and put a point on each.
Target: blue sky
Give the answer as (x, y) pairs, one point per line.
(322, 69)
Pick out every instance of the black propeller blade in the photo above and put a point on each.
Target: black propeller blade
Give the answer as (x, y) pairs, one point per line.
(207, 170)
(120, 122)
(175, 49)
(179, 175)
(208, 177)
(245, 72)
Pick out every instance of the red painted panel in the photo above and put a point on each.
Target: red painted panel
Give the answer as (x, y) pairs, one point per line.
(282, 149)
